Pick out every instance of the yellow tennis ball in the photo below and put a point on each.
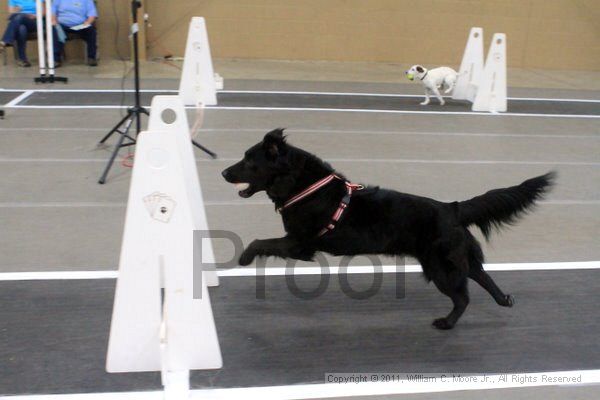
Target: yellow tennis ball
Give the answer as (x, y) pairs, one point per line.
(410, 76)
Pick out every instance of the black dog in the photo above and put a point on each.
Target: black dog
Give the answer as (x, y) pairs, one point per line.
(344, 219)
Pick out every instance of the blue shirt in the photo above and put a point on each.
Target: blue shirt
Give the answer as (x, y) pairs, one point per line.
(73, 12)
(27, 6)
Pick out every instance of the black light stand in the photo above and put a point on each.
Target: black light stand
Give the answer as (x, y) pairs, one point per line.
(133, 113)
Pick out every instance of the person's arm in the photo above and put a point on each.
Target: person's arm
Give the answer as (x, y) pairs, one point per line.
(91, 12)
(55, 12)
(12, 8)
(34, 16)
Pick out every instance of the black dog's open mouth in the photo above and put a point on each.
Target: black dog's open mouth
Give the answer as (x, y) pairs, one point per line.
(244, 189)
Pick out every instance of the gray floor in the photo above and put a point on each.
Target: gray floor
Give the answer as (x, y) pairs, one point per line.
(310, 101)
(6, 96)
(285, 340)
(59, 218)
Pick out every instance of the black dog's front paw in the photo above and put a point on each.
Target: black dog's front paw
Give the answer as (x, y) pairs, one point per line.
(249, 254)
(442, 323)
(247, 257)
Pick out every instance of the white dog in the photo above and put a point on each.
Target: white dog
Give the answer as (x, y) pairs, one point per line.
(433, 80)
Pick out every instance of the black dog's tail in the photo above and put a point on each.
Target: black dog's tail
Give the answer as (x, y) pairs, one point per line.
(504, 206)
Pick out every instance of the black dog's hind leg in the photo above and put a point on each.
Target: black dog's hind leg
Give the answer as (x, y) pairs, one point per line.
(477, 273)
(452, 282)
(460, 299)
(284, 247)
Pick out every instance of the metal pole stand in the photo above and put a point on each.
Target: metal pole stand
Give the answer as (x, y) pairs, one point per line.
(46, 69)
(122, 128)
(135, 112)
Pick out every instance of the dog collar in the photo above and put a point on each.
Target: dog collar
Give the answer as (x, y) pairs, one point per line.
(424, 75)
(337, 215)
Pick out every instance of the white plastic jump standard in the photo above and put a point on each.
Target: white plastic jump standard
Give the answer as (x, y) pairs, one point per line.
(39, 19)
(197, 83)
(471, 67)
(491, 95)
(175, 334)
(45, 46)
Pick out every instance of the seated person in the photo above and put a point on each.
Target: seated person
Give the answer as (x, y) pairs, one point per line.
(21, 22)
(78, 14)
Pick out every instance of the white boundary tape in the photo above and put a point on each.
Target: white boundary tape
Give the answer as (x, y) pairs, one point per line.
(89, 90)
(361, 110)
(279, 271)
(286, 92)
(325, 390)
(211, 203)
(300, 130)
(393, 95)
(331, 390)
(19, 99)
(340, 160)
(67, 107)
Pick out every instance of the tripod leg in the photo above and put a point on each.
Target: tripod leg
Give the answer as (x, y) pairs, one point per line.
(112, 160)
(204, 149)
(113, 130)
(115, 152)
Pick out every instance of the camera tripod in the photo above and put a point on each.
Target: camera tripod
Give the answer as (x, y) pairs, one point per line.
(133, 113)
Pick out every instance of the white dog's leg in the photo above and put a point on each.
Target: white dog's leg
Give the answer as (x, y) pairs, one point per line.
(450, 82)
(437, 94)
(424, 103)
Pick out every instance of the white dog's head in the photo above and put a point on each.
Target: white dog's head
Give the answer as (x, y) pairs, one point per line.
(417, 71)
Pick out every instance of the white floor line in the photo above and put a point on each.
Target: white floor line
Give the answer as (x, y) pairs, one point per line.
(295, 131)
(340, 160)
(90, 90)
(466, 162)
(90, 204)
(57, 275)
(362, 110)
(221, 203)
(66, 204)
(283, 92)
(391, 95)
(54, 160)
(281, 271)
(38, 129)
(80, 107)
(331, 390)
(18, 99)
(346, 110)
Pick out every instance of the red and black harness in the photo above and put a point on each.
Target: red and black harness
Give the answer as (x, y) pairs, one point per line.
(337, 215)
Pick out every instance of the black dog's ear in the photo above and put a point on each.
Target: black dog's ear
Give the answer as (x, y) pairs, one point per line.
(274, 142)
(420, 69)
